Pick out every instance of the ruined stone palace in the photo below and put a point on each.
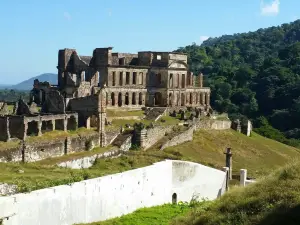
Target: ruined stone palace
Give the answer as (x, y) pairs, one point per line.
(88, 85)
(131, 80)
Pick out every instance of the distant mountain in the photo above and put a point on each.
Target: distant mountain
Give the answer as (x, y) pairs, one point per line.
(27, 84)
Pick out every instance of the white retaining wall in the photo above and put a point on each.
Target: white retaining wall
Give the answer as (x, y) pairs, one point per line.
(112, 196)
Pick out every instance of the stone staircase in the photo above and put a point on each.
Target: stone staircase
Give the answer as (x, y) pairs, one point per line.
(154, 113)
(120, 139)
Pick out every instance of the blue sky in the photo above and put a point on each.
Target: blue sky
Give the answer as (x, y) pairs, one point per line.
(32, 31)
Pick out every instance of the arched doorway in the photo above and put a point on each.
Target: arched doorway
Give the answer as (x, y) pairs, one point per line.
(140, 98)
(112, 96)
(182, 99)
(157, 99)
(170, 99)
(174, 198)
(133, 98)
(120, 99)
(126, 98)
(191, 98)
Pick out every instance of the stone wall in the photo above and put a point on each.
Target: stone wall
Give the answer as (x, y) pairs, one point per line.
(34, 151)
(213, 124)
(180, 138)
(154, 135)
(114, 195)
(88, 161)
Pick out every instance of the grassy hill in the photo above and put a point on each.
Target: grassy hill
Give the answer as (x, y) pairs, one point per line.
(273, 200)
(257, 154)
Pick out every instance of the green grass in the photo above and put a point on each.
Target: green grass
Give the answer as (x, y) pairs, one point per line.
(44, 174)
(116, 124)
(59, 134)
(257, 154)
(273, 200)
(123, 113)
(159, 215)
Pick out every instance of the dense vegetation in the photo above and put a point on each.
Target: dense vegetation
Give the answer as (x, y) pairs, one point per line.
(272, 200)
(255, 75)
(10, 95)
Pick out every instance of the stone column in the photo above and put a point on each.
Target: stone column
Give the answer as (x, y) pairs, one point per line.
(129, 98)
(203, 98)
(102, 117)
(130, 78)
(243, 177)
(53, 124)
(25, 124)
(39, 124)
(207, 98)
(226, 170)
(65, 123)
(116, 99)
(108, 99)
(192, 79)
(123, 98)
(4, 131)
(228, 154)
(201, 80)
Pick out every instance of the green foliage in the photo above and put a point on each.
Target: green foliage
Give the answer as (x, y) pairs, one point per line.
(271, 200)
(158, 215)
(13, 95)
(254, 74)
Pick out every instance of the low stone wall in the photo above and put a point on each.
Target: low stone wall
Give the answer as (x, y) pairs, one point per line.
(180, 138)
(213, 124)
(35, 151)
(88, 161)
(154, 135)
(11, 154)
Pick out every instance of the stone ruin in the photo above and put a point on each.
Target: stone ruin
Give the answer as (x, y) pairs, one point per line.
(244, 127)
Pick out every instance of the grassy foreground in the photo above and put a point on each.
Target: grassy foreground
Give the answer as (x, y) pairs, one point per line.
(159, 215)
(273, 200)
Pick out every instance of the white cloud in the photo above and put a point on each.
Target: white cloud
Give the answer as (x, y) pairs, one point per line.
(67, 16)
(203, 38)
(269, 9)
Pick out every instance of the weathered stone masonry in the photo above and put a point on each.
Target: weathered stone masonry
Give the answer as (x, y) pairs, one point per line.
(131, 80)
(21, 126)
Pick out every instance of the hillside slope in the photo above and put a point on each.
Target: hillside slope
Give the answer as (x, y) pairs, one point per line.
(27, 84)
(274, 200)
(258, 154)
(254, 74)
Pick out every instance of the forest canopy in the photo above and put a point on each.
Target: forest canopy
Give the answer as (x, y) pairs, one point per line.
(255, 75)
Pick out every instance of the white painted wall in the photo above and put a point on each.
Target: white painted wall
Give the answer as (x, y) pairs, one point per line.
(111, 196)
